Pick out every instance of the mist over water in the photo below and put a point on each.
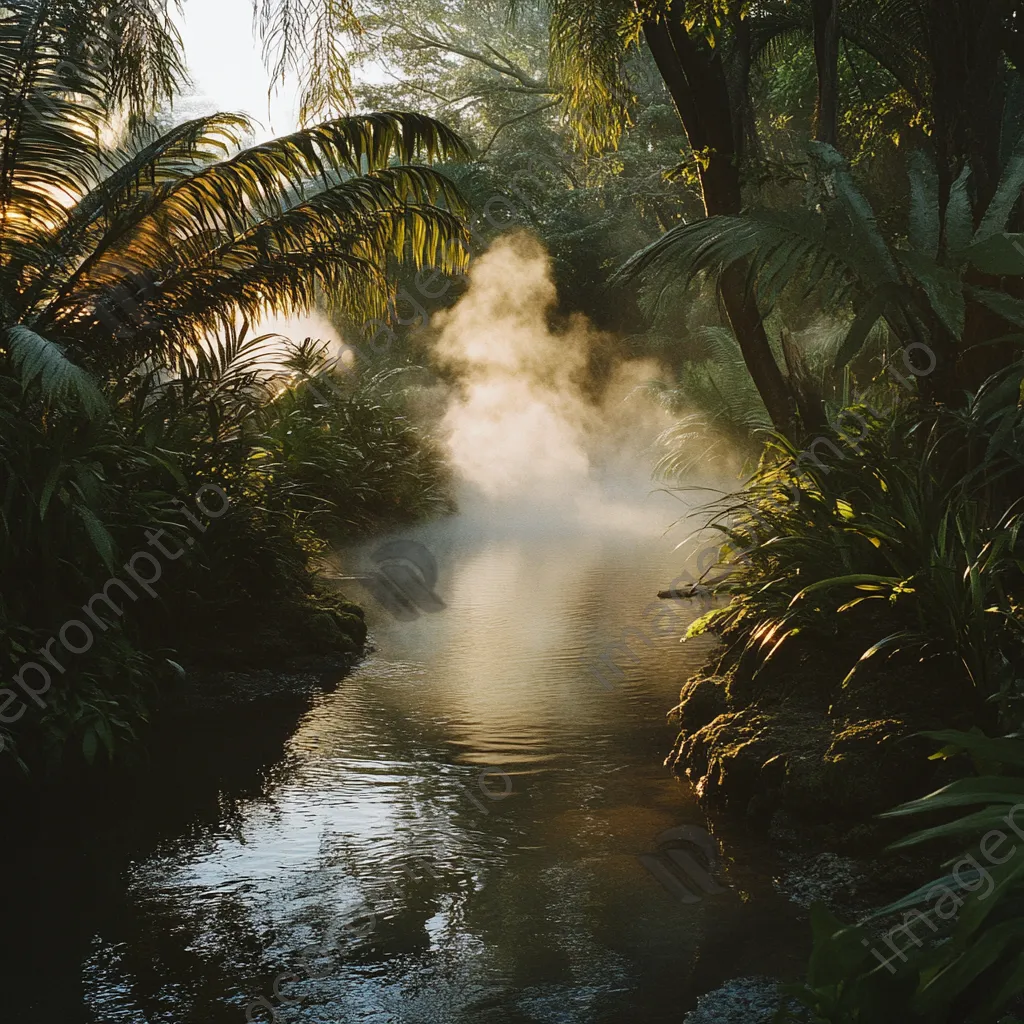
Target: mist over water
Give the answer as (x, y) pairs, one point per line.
(527, 438)
(360, 837)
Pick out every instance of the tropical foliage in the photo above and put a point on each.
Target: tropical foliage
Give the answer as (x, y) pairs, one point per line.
(720, 65)
(905, 530)
(129, 377)
(951, 950)
(934, 292)
(823, 200)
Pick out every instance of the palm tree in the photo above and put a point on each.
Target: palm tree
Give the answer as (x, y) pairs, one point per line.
(177, 237)
(108, 257)
(118, 265)
(125, 377)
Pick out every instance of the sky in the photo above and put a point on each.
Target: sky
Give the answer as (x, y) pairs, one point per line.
(228, 74)
(227, 66)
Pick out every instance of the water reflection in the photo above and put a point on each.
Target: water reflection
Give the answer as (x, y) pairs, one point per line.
(452, 835)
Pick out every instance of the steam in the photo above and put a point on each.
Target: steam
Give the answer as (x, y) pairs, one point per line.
(523, 424)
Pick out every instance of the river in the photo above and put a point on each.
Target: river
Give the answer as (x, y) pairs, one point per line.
(452, 835)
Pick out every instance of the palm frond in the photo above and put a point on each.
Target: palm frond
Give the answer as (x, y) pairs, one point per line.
(125, 179)
(778, 30)
(269, 228)
(234, 357)
(38, 360)
(894, 33)
(308, 38)
(183, 283)
(782, 248)
(589, 43)
(65, 69)
(47, 146)
(139, 49)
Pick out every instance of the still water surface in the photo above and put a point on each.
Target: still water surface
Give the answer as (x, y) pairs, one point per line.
(450, 836)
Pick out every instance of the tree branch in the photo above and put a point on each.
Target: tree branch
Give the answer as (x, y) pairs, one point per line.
(506, 67)
(513, 120)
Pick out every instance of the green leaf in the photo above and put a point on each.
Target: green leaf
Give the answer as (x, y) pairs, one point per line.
(170, 464)
(941, 991)
(1005, 878)
(959, 219)
(1009, 308)
(888, 643)
(943, 288)
(989, 789)
(1007, 988)
(862, 216)
(976, 823)
(837, 951)
(105, 734)
(41, 361)
(706, 623)
(98, 534)
(843, 581)
(997, 216)
(919, 897)
(981, 747)
(1001, 255)
(868, 316)
(48, 489)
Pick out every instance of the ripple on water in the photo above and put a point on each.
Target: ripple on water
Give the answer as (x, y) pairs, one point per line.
(452, 835)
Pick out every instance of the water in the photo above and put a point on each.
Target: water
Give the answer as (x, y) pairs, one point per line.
(450, 836)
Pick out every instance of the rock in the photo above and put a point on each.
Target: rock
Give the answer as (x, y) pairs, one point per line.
(791, 735)
(701, 701)
(353, 626)
(724, 758)
(741, 1001)
(872, 765)
(753, 753)
(324, 631)
(760, 759)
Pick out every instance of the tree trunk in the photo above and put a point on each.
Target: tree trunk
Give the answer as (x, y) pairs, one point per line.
(826, 56)
(969, 93)
(697, 82)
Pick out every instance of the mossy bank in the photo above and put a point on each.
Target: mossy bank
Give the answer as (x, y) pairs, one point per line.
(790, 737)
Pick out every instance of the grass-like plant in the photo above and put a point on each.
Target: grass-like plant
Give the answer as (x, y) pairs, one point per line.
(951, 950)
(906, 532)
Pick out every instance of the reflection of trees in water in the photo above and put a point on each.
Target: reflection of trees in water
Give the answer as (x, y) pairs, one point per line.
(71, 907)
(179, 952)
(178, 957)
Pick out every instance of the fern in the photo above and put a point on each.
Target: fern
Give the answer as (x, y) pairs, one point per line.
(837, 253)
(41, 362)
